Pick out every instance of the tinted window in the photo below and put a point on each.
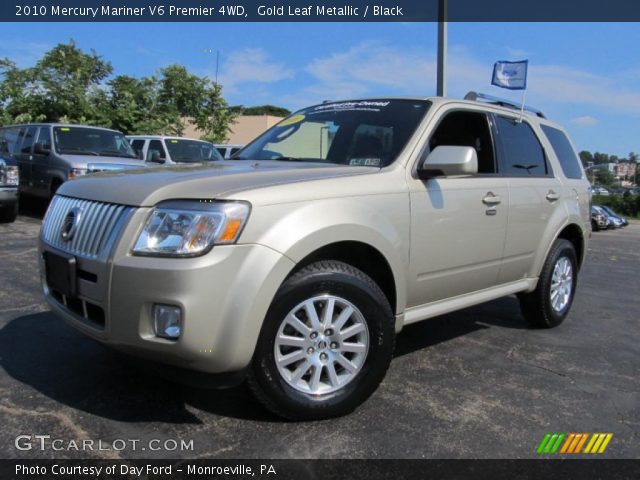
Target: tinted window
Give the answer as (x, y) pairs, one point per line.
(467, 129)
(44, 137)
(10, 136)
(523, 154)
(91, 141)
(137, 145)
(155, 150)
(564, 151)
(28, 138)
(186, 150)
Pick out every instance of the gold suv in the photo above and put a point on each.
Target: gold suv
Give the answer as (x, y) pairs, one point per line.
(296, 264)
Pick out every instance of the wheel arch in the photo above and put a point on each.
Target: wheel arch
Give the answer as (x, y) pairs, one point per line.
(362, 256)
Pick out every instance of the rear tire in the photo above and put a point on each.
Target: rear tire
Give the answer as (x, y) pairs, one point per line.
(9, 214)
(549, 304)
(338, 325)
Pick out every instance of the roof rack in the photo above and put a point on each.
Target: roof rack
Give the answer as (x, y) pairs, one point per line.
(483, 97)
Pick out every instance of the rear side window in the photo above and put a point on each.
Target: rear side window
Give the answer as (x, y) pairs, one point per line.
(523, 155)
(28, 140)
(44, 138)
(564, 151)
(138, 145)
(155, 148)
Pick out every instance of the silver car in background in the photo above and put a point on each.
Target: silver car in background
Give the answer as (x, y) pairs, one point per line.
(48, 154)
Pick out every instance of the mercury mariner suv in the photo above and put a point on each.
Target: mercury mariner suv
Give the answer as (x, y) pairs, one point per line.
(296, 264)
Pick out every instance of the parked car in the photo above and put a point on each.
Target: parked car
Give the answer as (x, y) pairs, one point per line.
(48, 154)
(295, 266)
(172, 150)
(228, 150)
(600, 191)
(623, 221)
(9, 179)
(599, 219)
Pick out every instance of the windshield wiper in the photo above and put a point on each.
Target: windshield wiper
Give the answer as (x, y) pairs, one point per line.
(117, 153)
(79, 151)
(290, 159)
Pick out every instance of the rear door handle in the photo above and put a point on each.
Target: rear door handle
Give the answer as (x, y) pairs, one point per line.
(491, 199)
(553, 196)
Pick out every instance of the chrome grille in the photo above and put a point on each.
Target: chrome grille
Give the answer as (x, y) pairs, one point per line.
(98, 222)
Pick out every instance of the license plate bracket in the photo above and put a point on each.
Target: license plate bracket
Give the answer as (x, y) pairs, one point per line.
(60, 271)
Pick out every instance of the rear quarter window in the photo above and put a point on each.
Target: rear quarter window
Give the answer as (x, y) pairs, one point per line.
(564, 151)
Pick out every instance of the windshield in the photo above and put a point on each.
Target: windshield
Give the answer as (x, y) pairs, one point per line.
(358, 133)
(91, 141)
(184, 151)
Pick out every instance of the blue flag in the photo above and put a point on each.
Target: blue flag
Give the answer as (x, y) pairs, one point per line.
(511, 75)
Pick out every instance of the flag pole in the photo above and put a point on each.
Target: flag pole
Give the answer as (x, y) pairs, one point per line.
(524, 96)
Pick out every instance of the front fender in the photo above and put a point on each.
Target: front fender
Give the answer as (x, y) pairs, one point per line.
(298, 230)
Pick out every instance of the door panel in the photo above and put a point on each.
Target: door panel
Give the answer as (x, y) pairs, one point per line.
(529, 213)
(457, 239)
(40, 173)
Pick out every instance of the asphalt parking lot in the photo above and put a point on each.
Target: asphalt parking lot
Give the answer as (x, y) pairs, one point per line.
(473, 384)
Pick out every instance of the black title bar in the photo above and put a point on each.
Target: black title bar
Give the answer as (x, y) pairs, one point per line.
(318, 11)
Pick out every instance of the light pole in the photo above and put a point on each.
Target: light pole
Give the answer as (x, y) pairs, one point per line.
(442, 49)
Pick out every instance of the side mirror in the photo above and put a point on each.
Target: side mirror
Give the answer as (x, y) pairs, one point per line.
(41, 149)
(449, 160)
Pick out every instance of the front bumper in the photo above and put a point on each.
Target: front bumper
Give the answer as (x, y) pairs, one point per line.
(8, 196)
(224, 296)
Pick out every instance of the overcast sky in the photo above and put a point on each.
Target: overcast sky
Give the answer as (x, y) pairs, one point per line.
(584, 75)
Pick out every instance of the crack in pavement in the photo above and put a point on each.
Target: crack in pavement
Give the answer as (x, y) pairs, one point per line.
(63, 420)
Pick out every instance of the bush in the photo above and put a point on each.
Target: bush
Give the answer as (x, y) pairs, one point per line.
(625, 204)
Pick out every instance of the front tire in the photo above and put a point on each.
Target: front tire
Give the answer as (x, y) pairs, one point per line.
(9, 214)
(549, 304)
(325, 345)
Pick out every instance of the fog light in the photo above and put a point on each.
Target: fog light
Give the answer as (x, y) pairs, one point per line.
(167, 321)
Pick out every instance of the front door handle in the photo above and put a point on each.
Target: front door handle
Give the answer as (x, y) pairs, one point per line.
(491, 199)
(553, 196)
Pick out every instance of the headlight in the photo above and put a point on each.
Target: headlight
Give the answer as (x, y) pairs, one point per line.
(187, 228)
(9, 174)
(77, 172)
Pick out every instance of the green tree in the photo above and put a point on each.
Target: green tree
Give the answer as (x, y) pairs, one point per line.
(69, 85)
(266, 110)
(586, 157)
(604, 177)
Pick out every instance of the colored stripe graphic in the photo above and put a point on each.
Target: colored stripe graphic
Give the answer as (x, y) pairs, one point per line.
(573, 443)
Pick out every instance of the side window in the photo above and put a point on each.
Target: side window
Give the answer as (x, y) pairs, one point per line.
(564, 151)
(155, 149)
(467, 129)
(11, 136)
(44, 138)
(523, 153)
(222, 151)
(137, 145)
(28, 138)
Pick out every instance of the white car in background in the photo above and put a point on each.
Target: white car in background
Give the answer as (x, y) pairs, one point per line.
(228, 150)
(171, 150)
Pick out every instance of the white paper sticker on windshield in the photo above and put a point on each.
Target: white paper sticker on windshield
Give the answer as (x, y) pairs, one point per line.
(365, 162)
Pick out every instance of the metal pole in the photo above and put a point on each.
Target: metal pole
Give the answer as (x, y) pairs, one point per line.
(442, 49)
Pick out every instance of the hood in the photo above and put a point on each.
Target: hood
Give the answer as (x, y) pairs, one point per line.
(81, 161)
(148, 186)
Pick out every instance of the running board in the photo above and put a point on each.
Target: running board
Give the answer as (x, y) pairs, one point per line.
(440, 307)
